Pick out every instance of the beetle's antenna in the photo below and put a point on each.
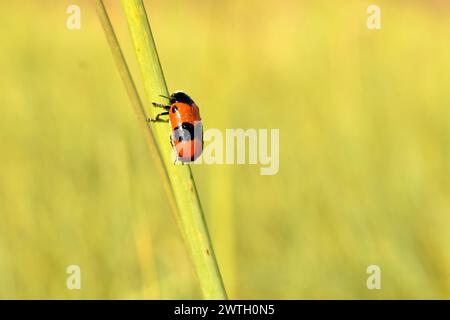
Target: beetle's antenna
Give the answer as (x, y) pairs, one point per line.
(164, 96)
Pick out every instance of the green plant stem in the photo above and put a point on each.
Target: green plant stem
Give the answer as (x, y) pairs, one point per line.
(177, 179)
(133, 95)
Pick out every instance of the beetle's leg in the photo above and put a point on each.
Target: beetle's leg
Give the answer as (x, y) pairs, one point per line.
(157, 119)
(160, 105)
(173, 146)
(176, 160)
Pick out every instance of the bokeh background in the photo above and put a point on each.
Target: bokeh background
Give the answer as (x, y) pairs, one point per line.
(364, 119)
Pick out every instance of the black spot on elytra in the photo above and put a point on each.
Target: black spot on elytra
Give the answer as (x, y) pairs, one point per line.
(185, 133)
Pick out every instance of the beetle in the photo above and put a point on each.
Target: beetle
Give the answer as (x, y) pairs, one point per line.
(187, 130)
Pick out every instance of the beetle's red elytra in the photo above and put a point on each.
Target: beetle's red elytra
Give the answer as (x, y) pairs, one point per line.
(187, 131)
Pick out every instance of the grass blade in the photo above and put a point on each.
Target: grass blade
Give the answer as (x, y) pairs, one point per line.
(177, 180)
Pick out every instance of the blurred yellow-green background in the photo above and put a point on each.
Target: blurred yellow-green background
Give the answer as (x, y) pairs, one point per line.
(364, 119)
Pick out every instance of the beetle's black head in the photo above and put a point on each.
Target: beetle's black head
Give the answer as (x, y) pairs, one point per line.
(179, 96)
